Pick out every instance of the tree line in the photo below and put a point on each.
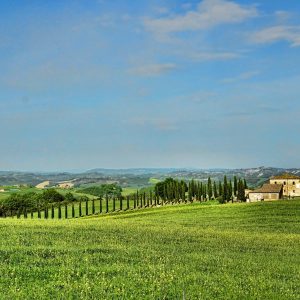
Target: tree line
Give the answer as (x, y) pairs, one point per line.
(168, 191)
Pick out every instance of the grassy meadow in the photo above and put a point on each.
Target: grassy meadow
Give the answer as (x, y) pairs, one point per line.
(195, 251)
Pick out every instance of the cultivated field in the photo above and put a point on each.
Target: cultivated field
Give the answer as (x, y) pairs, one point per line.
(232, 251)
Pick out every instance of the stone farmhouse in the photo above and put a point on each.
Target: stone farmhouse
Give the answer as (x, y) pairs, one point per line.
(281, 186)
(290, 183)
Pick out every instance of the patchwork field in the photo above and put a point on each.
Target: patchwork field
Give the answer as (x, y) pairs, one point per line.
(233, 251)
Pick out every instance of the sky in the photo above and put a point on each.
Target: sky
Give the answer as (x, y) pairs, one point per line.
(156, 83)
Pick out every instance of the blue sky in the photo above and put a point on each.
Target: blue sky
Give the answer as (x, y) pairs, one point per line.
(116, 84)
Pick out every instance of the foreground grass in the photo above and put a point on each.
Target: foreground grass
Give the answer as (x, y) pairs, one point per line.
(236, 251)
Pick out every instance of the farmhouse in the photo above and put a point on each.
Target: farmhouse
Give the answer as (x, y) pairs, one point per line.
(267, 192)
(290, 182)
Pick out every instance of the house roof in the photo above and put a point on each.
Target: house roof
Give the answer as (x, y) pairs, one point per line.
(285, 176)
(269, 188)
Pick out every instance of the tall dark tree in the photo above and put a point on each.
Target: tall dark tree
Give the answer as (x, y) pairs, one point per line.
(100, 205)
(59, 211)
(229, 196)
(66, 211)
(73, 211)
(241, 191)
(225, 190)
(209, 189)
(93, 207)
(215, 190)
(80, 209)
(220, 189)
(235, 185)
(106, 201)
(52, 212)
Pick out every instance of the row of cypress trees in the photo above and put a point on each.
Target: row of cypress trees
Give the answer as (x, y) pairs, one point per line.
(168, 191)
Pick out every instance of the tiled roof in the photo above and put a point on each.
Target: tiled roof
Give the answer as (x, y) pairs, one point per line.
(286, 176)
(269, 188)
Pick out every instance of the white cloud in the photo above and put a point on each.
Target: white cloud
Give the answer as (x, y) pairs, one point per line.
(207, 56)
(161, 124)
(209, 13)
(274, 34)
(152, 69)
(242, 76)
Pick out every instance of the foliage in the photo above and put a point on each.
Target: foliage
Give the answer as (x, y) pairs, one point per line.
(112, 190)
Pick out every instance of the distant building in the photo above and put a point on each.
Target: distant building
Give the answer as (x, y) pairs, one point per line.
(290, 182)
(267, 192)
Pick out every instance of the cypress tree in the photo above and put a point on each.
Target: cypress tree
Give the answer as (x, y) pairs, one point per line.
(25, 213)
(220, 189)
(121, 203)
(151, 198)
(52, 211)
(190, 195)
(209, 189)
(106, 200)
(114, 204)
(235, 186)
(137, 198)
(80, 209)
(59, 211)
(100, 204)
(31, 214)
(39, 212)
(225, 190)
(128, 202)
(134, 202)
(230, 191)
(215, 190)
(66, 211)
(86, 207)
(245, 184)
(46, 212)
(73, 211)
(241, 191)
(93, 207)
(18, 213)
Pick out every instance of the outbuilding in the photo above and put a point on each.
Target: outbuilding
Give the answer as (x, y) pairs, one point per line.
(267, 192)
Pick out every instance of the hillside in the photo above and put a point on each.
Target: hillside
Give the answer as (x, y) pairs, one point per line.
(141, 177)
(233, 251)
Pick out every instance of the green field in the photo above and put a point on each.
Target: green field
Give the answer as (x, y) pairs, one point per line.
(233, 251)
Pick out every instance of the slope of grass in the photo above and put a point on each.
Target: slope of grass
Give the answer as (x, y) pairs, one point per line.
(236, 251)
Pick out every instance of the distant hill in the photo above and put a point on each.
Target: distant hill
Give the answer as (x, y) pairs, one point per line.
(141, 176)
